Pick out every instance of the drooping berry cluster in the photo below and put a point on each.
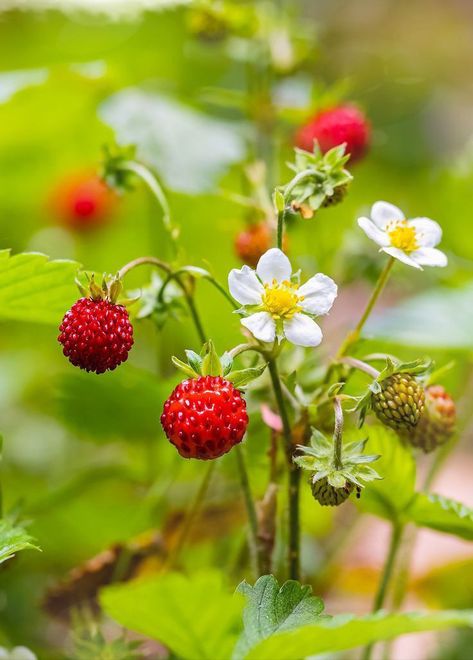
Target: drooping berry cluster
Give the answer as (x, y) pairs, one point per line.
(96, 335)
(204, 417)
(330, 128)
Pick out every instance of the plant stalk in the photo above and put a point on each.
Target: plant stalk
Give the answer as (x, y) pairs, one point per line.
(354, 335)
(250, 508)
(293, 477)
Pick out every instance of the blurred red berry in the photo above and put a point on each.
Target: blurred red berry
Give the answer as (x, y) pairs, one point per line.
(253, 242)
(204, 417)
(82, 201)
(96, 335)
(343, 124)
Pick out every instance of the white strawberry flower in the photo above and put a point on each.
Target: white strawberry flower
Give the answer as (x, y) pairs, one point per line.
(278, 306)
(411, 241)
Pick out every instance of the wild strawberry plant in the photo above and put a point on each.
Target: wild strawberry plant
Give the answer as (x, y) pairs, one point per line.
(351, 429)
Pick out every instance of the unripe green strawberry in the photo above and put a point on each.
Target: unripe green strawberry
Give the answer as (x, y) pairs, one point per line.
(400, 402)
(338, 194)
(437, 424)
(328, 495)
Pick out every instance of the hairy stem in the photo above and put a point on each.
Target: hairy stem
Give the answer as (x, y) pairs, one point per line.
(354, 335)
(250, 508)
(294, 476)
(360, 365)
(337, 434)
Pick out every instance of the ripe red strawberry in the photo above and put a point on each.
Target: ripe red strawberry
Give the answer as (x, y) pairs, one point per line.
(253, 242)
(437, 425)
(343, 124)
(96, 334)
(83, 201)
(204, 417)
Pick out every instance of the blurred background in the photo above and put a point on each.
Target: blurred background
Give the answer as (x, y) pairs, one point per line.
(91, 473)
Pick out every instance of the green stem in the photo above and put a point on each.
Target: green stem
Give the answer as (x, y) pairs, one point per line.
(192, 515)
(195, 317)
(388, 569)
(154, 186)
(250, 507)
(337, 434)
(175, 275)
(294, 476)
(280, 234)
(142, 261)
(354, 335)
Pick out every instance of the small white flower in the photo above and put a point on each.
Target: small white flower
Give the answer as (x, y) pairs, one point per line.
(411, 241)
(278, 306)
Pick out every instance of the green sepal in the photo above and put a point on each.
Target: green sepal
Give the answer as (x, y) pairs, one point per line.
(194, 360)
(211, 363)
(242, 377)
(184, 367)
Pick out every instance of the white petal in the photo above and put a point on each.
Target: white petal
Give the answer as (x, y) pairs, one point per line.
(302, 331)
(402, 256)
(274, 265)
(319, 293)
(382, 213)
(372, 231)
(261, 325)
(429, 256)
(428, 232)
(244, 286)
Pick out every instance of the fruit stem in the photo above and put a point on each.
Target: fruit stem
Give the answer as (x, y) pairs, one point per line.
(191, 516)
(243, 348)
(359, 364)
(250, 508)
(337, 434)
(388, 569)
(175, 275)
(151, 261)
(354, 335)
(195, 316)
(294, 475)
(154, 186)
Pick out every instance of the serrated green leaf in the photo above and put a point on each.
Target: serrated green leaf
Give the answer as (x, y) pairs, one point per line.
(271, 609)
(396, 466)
(346, 632)
(196, 617)
(33, 288)
(244, 376)
(442, 514)
(13, 539)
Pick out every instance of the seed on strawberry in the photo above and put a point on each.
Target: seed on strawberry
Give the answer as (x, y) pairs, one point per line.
(253, 242)
(342, 124)
(400, 403)
(96, 335)
(204, 417)
(328, 495)
(437, 424)
(83, 201)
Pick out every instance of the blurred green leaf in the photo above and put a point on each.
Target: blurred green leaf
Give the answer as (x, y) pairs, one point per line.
(442, 514)
(426, 320)
(124, 404)
(347, 632)
(389, 496)
(272, 609)
(196, 617)
(32, 288)
(12, 540)
(189, 150)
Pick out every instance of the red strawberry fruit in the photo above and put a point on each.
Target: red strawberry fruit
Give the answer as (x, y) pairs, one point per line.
(204, 417)
(254, 241)
(330, 128)
(96, 333)
(83, 201)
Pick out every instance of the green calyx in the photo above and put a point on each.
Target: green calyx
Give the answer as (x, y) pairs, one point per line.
(110, 289)
(320, 180)
(209, 363)
(396, 395)
(353, 471)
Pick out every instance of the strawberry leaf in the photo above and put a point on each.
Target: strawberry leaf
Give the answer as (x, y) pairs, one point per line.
(13, 539)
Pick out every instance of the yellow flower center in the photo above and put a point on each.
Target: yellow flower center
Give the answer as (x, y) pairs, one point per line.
(280, 299)
(402, 236)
